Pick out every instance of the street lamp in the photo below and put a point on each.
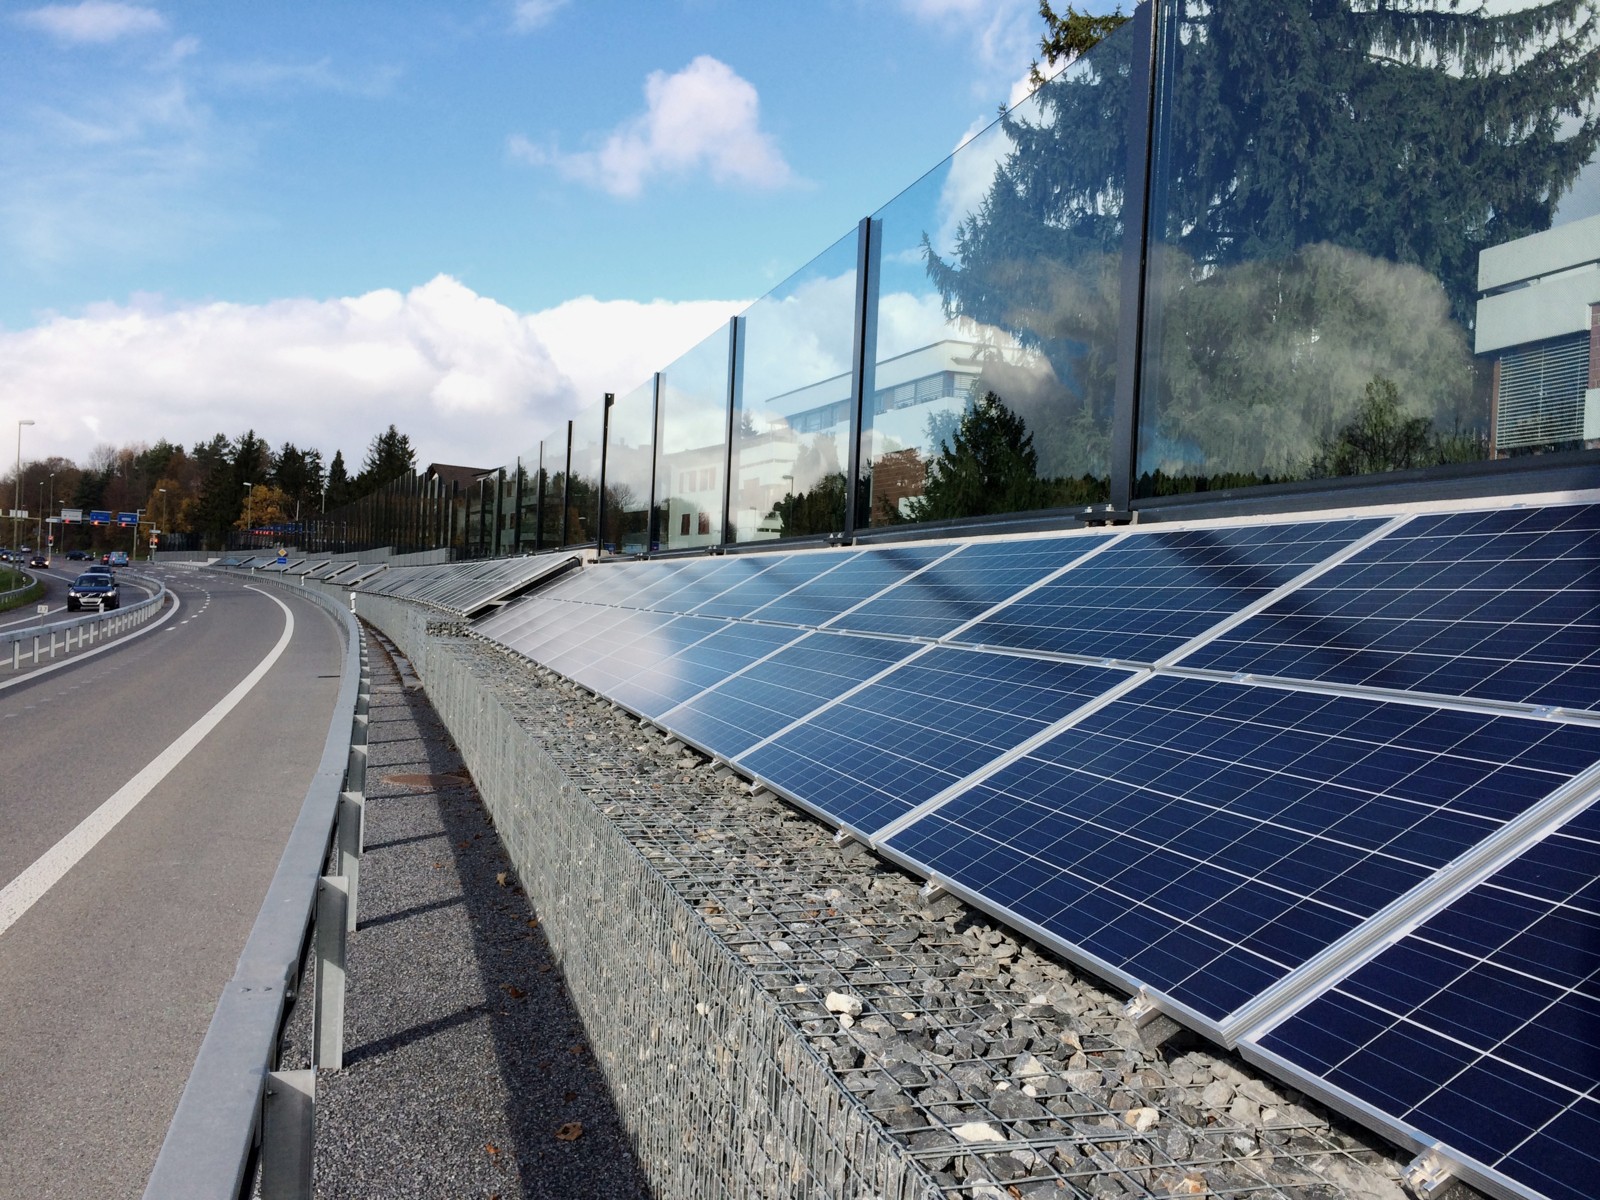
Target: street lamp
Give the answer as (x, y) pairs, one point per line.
(249, 493)
(50, 547)
(43, 549)
(16, 491)
(154, 532)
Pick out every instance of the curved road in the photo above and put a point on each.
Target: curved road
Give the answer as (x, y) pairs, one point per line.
(113, 953)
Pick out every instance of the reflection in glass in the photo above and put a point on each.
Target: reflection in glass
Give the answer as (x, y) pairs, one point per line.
(693, 450)
(1372, 231)
(629, 448)
(792, 423)
(995, 371)
(583, 477)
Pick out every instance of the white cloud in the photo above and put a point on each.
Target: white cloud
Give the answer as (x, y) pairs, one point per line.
(704, 118)
(93, 21)
(466, 378)
(1004, 34)
(528, 15)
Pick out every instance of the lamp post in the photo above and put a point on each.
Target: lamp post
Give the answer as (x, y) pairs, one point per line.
(134, 555)
(154, 532)
(50, 546)
(249, 493)
(39, 537)
(16, 491)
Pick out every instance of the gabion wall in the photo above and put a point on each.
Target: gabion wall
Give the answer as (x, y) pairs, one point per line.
(721, 1092)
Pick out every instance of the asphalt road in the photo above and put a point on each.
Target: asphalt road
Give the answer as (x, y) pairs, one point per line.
(61, 572)
(109, 977)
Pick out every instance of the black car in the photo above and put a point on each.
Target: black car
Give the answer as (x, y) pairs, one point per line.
(97, 588)
(38, 560)
(77, 555)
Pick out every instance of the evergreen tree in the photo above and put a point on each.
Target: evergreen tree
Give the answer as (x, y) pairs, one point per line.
(388, 457)
(986, 464)
(337, 482)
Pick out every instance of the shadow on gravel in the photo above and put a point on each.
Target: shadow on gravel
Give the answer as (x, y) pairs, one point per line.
(566, 1137)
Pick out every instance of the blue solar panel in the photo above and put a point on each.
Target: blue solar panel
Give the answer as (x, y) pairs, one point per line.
(1146, 595)
(652, 690)
(661, 580)
(527, 628)
(780, 577)
(1206, 838)
(826, 596)
(950, 593)
(1479, 1028)
(707, 579)
(926, 725)
(820, 667)
(1499, 605)
(640, 642)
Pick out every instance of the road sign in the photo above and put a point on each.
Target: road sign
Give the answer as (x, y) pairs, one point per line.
(72, 516)
(127, 519)
(99, 516)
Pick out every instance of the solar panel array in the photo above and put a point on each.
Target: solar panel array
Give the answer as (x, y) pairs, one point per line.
(1321, 789)
(465, 589)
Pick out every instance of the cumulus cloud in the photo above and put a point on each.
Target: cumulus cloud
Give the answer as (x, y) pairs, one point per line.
(468, 379)
(705, 118)
(93, 21)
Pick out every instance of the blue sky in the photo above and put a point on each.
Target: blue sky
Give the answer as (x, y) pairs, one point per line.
(468, 218)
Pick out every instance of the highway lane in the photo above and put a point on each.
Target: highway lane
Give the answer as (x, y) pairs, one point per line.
(56, 578)
(109, 979)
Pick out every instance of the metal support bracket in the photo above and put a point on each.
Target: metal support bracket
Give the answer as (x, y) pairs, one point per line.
(328, 1012)
(288, 1131)
(1154, 1026)
(1429, 1176)
(350, 835)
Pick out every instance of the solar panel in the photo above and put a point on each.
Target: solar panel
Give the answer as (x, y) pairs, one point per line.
(652, 690)
(824, 597)
(929, 723)
(1145, 595)
(1477, 1029)
(964, 586)
(1501, 605)
(782, 577)
(739, 712)
(1204, 839)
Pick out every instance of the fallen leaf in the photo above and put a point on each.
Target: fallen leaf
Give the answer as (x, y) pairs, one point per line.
(533, 922)
(491, 1148)
(501, 878)
(569, 1097)
(513, 991)
(570, 1132)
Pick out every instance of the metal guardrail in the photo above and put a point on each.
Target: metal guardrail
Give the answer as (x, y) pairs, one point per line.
(238, 1110)
(75, 633)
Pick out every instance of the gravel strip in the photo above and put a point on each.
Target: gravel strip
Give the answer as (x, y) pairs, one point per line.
(1005, 1072)
(467, 1071)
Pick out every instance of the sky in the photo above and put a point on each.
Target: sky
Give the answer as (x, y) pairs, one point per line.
(468, 218)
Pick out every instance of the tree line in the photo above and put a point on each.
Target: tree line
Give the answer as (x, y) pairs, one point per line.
(213, 487)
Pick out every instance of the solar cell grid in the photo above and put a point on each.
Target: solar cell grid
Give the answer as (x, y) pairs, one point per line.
(926, 725)
(1147, 594)
(825, 596)
(1493, 605)
(749, 594)
(728, 647)
(1207, 838)
(1477, 1028)
(817, 668)
(966, 585)
(718, 575)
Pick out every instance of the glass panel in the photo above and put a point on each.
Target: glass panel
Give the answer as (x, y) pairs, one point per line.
(997, 312)
(694, 443)
(630, 446)
(583, 479)
(791, 436)
(1370, 222)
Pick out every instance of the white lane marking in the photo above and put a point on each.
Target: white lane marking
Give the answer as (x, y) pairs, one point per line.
(77, 657)
(23, 892)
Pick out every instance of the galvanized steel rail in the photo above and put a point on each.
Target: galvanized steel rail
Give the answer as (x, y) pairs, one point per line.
(30, 646)
(237, 1109)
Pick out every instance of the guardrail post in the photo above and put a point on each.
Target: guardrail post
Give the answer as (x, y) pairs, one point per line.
(356, 770)
(351, 836)
(328, 1013)
(288, 1127)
